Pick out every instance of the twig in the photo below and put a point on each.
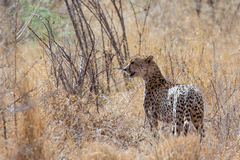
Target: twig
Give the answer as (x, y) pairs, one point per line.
(107, 69)
(15, 63)
(4, 125)
(131, 99)
(15, 101)
(140, 33)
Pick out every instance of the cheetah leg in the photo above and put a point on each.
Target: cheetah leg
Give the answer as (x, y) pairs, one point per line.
(173, 128)
(197, 119)
(198, 123)
(179, 118)
(177, 127)
(177, 113)
(187, 118)
(200, 129)
(154, 125)
(186, 126)
(202, 132)
(153, 121)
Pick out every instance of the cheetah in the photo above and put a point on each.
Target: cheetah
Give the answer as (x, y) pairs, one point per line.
(176, 104)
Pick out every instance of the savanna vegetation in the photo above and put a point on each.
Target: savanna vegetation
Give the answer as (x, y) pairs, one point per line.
(64, 95)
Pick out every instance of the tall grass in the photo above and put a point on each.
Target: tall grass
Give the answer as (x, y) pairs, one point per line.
(192, 41)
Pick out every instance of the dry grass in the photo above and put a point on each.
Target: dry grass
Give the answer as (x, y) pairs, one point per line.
(53, 124)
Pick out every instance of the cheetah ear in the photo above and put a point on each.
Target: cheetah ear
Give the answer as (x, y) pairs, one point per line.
(149, 58)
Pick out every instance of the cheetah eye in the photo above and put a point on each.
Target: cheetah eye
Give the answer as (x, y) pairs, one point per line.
(131, 63)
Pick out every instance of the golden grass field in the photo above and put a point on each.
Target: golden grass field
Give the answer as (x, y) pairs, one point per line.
(53, 124)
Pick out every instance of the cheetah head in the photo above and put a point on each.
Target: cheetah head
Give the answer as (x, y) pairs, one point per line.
(139, 66)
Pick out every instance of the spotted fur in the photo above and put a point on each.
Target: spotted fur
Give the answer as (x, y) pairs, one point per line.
(165, 101)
